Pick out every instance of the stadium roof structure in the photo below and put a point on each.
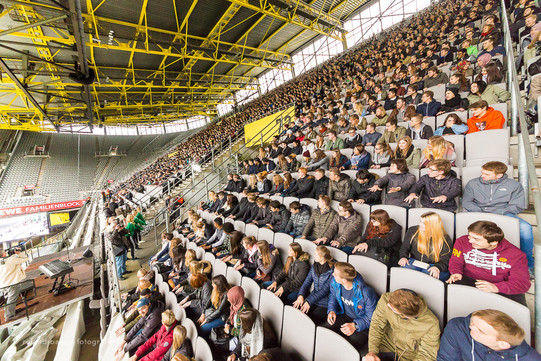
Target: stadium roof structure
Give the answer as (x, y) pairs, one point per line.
(140, 61)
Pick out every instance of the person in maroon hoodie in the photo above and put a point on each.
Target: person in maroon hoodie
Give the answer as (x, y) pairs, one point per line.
(486, 260)
(158, 345)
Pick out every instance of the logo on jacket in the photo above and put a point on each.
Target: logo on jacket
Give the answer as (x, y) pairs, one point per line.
(485, 261)
(347, 302)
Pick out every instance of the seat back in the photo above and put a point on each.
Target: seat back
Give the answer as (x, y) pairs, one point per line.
(208, 256)
(281, 242)
(447, 218)
(458, 141)
(329, 344)
(272, 310)
(251, 230)
(251, 291)
(432, 290)
(240, 226)
(310, 202)
(463, 300)
(288, 200)
(364, 211)
(374, 272)
(308, 247)
(266, 235)
(202, 350)
(298, 333)
(480, 146)
(337, 254)
(220, 268)
(509, 225)
(233, 276)
(191, 330)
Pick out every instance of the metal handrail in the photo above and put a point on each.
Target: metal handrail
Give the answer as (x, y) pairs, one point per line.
(526, 163)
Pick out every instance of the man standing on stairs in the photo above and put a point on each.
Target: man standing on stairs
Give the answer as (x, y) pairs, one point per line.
(494, 192)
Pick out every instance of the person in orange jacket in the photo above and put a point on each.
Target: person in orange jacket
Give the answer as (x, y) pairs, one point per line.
(484, 118)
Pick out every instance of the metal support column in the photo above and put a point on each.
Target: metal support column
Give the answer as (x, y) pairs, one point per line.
(230, 147)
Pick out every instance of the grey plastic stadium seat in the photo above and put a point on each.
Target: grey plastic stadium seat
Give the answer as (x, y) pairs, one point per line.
(439, 92)
(229, 220)
(179, 312)
(338, 255)
(251, 230)
(199, 252)
(380, 173)
(281, 242)
(192, 245)
(399, 214)
(334, 205)
(298, 333)
(233, 276)
(277, 198)
(447, 218)
(170, 300)
(272, 310)
(288, 200)
(431, 121)
(364, 211)
(251, 291)
(509, 225)
(191, 330)
(432, 290)
(374, 272)
(240, 226)
(208, 256)
(458, 141)
(415, 172)
(350, 173)
(220, 268)
(463, 300)
(163, 288)
(266, 235)
(329, 345)
(420, 143)
(202, 350)
(480, 146)
(310, 202)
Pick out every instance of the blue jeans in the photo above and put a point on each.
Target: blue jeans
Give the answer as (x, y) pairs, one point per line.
(526, 238)
(347, 249)
(266, 284)
(291, 297)
(443, 275)
(204, 331)
(121, 263)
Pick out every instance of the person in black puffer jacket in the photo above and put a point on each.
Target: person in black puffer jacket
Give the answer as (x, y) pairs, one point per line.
(398, 183)
(321, 184)
(304, 185)
(359, 191)
(279, 216)
(290, 280)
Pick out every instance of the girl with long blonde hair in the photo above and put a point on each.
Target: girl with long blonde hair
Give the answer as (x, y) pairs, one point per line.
(438, 148)
(266, 263)
(427, 247)
(252, 183)
(181, 345)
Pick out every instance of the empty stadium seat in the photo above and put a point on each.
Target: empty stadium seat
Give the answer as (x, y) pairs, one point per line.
(463, 300)
(179, 312)
(509, 225)
(431, 289)
(480, 146)
(272, 310)
(329, 345)
(447, 218)
(374, 272)
(288, 200)
(209, 256)
(298, 333)
(338, 255)
(310, 202)
(240, 226)
(277, 198)
(191, 330)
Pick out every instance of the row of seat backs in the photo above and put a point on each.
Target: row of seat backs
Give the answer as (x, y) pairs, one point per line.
(456, 225)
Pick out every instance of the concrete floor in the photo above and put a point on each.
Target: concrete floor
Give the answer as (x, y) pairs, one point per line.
(91, 338)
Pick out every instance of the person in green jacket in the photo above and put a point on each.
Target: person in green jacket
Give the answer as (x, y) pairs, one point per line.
(404, 328)
(131, 227)
(492, 94)
(334, 142)
(139, 220)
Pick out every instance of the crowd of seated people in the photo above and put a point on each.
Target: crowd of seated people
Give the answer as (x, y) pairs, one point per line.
(339, 106)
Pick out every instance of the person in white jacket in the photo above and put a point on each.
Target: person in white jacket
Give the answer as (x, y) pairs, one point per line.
(11, 274)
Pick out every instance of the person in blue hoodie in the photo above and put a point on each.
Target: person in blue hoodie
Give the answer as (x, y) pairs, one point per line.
(315, 303)
(485, 335)
(351, 305)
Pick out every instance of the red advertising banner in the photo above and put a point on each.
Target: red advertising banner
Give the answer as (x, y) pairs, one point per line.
(8, 212)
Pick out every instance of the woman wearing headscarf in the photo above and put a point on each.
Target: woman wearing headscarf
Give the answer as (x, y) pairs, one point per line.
(453, 102)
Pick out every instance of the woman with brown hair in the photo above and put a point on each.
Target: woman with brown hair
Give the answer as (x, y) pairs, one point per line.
(292, 163)
(452, 125)
(490, 74)
(277, 185)
(381, 239)
(230, 204)
(217, 311)
(337, 159)
(314, 303)
(406, 150)
(290, 280)
(252, 336)
(268, 264)
(319, 160)
(282, 163)
(289, 183)
(408, 113)
(320, 141)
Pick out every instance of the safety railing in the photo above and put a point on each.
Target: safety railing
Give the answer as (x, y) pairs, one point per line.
(526, 166)
(162, 216)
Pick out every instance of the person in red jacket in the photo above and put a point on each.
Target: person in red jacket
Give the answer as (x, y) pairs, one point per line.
(484, 118)
(157, 346)
(486, 260)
